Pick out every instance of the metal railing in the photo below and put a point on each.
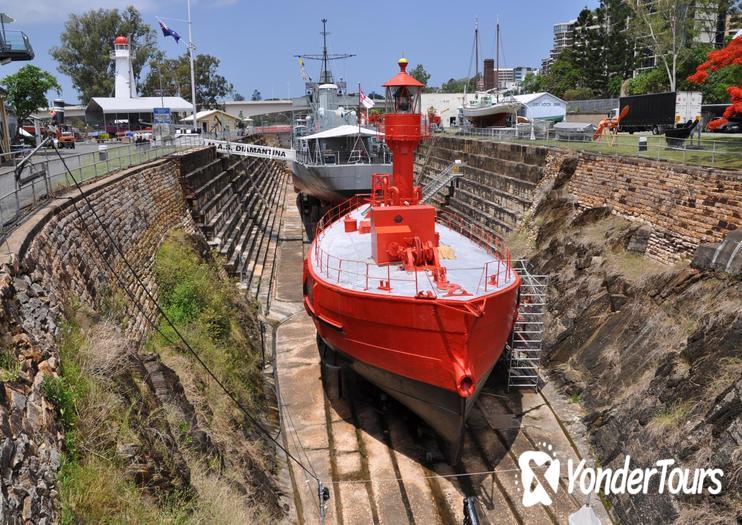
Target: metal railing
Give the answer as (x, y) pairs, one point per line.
(595, 105)
(492, 275)
(15, 45)
(720, 153)
(526, 345)
(343, 158)
(47, 176)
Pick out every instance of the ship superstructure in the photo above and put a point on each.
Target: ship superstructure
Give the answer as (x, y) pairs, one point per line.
(419, 303)
(335, 154)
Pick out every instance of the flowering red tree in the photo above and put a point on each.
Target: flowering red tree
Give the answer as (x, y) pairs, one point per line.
(730, 55)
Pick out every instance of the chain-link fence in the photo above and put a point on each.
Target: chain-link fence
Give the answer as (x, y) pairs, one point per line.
(597, 105)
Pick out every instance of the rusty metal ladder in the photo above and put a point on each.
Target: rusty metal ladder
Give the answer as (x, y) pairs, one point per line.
(526, 344)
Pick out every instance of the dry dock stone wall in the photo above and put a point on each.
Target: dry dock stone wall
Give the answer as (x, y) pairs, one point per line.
(52, 260)
(49, 260)
(685, 205)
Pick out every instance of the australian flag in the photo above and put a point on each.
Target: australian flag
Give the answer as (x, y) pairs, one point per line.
(166, 31)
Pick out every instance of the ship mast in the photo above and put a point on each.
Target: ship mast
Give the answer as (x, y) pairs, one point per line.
(325, 76)
(476, 54)
(497, 62)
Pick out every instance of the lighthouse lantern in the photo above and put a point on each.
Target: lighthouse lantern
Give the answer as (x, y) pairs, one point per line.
(403, 92)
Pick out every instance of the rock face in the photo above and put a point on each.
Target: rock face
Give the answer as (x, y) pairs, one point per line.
(30, 439)
(725, 256)
(57, 260)
(653, 351)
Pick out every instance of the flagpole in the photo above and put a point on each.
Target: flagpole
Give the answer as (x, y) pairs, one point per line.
(193, 75)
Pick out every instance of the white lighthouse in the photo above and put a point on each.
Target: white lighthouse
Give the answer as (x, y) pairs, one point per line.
(125, 87)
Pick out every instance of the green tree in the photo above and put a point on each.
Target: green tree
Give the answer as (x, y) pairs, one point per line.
(87, 41)
(457, 85)
(588, 51)
(651, 81)
(237, 97)
(619, 45)
(579, 93)
(563, 74)
(27, 90)
(533, 83)
(175, 76)
(665, 27)
(256, 95)
(419, 74)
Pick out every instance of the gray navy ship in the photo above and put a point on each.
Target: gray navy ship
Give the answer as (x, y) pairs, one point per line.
(335, 154)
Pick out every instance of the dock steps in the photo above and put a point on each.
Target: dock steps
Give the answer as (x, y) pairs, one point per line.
(526, 345)
(441, 180)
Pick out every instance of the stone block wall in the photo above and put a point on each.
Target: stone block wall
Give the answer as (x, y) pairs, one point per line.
(70, 257)
(685, 205)
(499, 179)
(49, 260)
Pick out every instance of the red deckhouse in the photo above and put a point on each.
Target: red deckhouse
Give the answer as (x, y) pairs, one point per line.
(419, 304)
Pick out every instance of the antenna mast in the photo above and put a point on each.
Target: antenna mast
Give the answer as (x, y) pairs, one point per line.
(476, 52)
(497, 59)
(325, 76)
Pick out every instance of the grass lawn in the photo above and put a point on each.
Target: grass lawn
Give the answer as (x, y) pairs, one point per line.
(719, 150)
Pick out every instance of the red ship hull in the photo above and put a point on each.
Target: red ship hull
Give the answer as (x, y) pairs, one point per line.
(415, 349)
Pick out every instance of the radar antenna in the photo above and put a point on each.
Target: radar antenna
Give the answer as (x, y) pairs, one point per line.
(325, 76)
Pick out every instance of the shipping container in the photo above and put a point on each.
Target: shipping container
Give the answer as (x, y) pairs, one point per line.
(657, 112)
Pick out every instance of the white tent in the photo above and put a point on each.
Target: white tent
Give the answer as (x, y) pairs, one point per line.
(346, 130)
(139, 104)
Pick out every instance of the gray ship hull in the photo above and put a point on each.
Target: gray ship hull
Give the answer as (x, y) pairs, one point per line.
(334, 183)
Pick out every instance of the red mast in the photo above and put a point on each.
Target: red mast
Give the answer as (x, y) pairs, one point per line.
(402, 229)
(402, 128)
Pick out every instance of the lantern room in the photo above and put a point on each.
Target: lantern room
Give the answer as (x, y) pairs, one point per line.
(403, 92)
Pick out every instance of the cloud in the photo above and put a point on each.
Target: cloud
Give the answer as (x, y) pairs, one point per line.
(44, 11)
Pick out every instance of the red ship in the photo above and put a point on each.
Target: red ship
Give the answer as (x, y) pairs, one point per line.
(417, 302)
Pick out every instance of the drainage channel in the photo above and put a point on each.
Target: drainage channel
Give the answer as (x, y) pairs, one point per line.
(380, 464)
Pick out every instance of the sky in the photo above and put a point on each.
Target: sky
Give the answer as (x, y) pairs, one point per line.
(256, 40)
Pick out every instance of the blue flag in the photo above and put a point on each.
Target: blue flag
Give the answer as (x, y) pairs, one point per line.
(166, 31)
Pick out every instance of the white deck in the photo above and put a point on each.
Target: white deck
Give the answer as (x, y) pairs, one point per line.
(351, 265)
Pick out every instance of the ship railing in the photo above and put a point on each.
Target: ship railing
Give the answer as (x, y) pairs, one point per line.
(341, 158)
(492, 275)
(365, 275)
(342, 209)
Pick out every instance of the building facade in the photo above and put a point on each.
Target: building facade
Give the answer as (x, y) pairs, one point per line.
(564, 38)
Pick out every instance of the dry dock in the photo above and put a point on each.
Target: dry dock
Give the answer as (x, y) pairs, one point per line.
(379, 464)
